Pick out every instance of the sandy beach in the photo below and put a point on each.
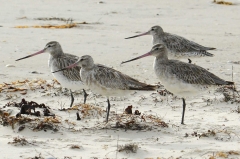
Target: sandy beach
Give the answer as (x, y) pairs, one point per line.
(212, 118)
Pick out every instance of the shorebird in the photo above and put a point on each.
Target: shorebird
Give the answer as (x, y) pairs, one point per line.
(177, 46)
(107, 81)
(58, 59)
(180, 78)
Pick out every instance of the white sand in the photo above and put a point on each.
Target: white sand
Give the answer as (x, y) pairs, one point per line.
(202, 21)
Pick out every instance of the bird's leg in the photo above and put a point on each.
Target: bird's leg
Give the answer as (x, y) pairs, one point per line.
(184, 106)
(108, 109)
(72, 98)
(189, 61)
(85, 96)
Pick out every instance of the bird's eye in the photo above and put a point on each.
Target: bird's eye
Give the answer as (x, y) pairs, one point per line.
(157, 49)
(152, 29)
(81, 60)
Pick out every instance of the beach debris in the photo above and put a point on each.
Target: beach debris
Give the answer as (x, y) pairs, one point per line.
(49, 122)
(230, 93)
(86, 110)
(19, 141)
(46, 126)
(46, 112)
(21, 128)
(164, 92)
(35, 72)
(75, 146)
(63, 26)
(70, 124)
(10, 65)
(69, 23)
(12, 120)
(222, 2)
(26, 107)
(78, 116)
(235, 62)
(207, 134)
(24, 17)
(23, 86)
(224, 134)
(128, 148)
(238, 109)
(137, 122)
(128, 110)
(224, 154)
(38, 157)
(67, 20)
(137, 112)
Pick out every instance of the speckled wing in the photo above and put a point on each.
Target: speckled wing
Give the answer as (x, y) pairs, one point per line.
(66, 60)
(179, 44)
(110, 78)
(193, 74)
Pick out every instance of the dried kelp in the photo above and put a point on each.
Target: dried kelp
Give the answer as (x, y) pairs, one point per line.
(128, 148)
(224, 134)
(137, 122)
(86, 110)
(19, 141)
(230, 93)
(222, 2)
(63, 26)
(55, 18)
(26, 107)
(25, 85)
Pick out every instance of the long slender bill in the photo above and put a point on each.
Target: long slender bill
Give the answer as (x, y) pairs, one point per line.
(147, 33)
(39, 52)
(139, 57)
(70, 66)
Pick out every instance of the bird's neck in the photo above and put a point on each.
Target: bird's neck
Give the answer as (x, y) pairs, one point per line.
(57, 53)
(162, 58)
(157, 38)
(88, 67)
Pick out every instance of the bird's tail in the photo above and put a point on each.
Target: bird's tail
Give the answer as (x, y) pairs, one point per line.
(145, 87)
(205, 53)
(210, 48)
(229, 83)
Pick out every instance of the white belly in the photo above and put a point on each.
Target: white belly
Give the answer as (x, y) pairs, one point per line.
(180, 88)
(174, 85)
(96, 88)
(65, 82)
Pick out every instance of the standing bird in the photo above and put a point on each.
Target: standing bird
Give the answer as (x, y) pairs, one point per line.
(180, 78)
(58, 59)
(107, 81)
(177, 46)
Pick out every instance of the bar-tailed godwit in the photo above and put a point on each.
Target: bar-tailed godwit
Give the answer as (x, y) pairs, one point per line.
(180, 78)
(178, 47)
(58, 59)
(107, 81)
